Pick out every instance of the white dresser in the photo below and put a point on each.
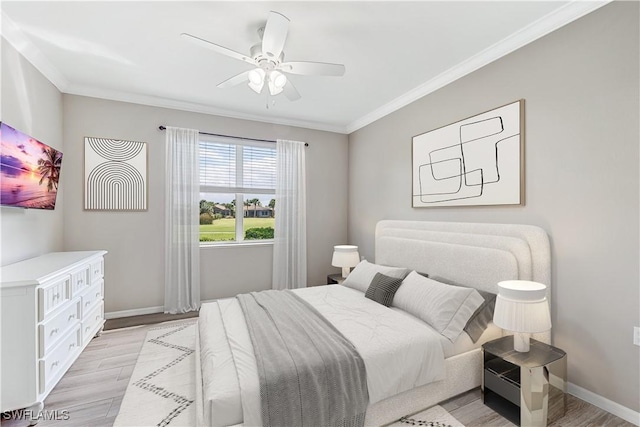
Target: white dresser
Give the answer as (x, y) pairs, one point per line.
(51, 307)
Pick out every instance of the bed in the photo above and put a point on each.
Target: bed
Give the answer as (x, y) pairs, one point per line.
(473, 255)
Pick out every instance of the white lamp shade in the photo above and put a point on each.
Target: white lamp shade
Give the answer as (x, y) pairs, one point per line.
(256, 79)
(256, 76)
(278, 79)
(345, 256)
(521, 306)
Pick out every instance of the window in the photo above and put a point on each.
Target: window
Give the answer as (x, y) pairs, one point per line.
(237, 190)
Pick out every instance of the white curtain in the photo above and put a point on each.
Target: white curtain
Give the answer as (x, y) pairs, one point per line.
(182, 246)
(290, 246)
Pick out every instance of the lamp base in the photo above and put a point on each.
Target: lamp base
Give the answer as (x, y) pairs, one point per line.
(521, 342)
(345, 272)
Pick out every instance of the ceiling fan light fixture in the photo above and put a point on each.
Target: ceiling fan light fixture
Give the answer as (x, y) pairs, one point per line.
(268, 59)
(273, 90)
(256, 76)
(277, 81)
(256, 88)
(256, 79)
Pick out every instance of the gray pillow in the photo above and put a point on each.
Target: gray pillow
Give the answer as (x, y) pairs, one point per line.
(481, 318)
(446, 308)
(383, 288)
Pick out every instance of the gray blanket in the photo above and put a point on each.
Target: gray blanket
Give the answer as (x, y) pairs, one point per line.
(310, 374)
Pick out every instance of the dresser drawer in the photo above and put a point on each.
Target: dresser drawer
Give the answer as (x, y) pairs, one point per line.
(53, 329)
(52, 295)
(91, 297)
(56, 362)
(92, 322)
(80, 280)
(97, 269)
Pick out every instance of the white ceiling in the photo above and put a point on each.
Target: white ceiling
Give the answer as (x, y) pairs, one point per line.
(394, 52)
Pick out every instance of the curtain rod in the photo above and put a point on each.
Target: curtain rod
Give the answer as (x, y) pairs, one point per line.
(161, 127)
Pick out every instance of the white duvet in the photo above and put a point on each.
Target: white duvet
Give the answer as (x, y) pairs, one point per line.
(399, 352)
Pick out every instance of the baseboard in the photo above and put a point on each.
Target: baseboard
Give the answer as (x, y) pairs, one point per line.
(604, 403)
(133, 312)
(140, 311)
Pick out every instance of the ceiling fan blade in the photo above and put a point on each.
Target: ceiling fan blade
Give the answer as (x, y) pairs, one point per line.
(313, 68)
(275, 34)
(217, 48)
(235, 80)
(291, 92)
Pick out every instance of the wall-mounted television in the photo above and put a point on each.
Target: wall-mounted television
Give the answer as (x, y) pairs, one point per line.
(29, 170)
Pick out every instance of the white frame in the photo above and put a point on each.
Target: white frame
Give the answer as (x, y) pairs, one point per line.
(238, 191)
(478, 161)
(93, 160)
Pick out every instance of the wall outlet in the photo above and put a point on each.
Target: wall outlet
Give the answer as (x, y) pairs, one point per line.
(636, 335)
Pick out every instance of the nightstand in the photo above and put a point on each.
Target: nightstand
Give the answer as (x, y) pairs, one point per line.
(334, 279)
(526, 388)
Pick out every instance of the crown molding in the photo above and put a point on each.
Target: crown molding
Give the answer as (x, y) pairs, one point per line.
(175, 104)
(543, 26)
(16, 38)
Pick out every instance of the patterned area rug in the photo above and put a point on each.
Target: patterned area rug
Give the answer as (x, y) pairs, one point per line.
(435, 416)
(161, 390)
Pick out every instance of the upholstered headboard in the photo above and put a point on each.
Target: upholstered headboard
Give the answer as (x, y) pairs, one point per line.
(470, 254)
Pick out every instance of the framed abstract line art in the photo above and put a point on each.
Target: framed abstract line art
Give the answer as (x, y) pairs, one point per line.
(477, 161)
(115, 175)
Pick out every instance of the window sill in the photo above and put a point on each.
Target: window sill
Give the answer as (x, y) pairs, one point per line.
(210, 245)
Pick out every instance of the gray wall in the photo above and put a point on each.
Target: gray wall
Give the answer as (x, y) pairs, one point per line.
(580, 86)
(31, 104)
(135, 263)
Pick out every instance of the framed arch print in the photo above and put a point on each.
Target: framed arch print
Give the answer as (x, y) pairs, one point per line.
(478, 161)
(115, 175)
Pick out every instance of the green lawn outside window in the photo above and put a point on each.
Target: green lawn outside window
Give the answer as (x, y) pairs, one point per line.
(225, 229)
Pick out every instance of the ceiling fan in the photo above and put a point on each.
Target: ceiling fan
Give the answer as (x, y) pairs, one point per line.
(267, 58)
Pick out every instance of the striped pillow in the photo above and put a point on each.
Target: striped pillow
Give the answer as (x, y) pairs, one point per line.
(383, 288)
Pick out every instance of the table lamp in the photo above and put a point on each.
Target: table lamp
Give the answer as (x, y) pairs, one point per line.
(522, 308)
(345, 256)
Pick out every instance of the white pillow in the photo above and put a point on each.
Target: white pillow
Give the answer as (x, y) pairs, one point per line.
(446, 308)
(361, 276)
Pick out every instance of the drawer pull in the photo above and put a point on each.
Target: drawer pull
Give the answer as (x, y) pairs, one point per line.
(87, 328)
(97, 294)
(54, 331)
(97, 317)
(56, 296)
(71, 316)
(96, 272)
(72, 345)
(54, 364)
(87, 303)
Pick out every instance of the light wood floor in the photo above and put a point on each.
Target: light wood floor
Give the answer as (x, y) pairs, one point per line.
(93, 388)
(470, 411)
